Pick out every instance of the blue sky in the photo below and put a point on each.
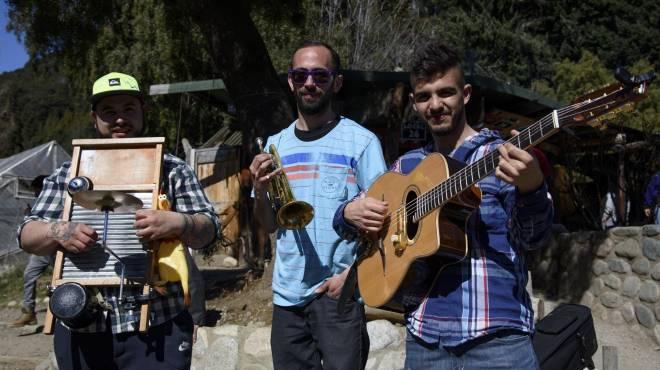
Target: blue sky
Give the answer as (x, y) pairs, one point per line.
(12, 53)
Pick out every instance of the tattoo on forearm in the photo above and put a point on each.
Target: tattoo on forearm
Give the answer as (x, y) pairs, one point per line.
(194, 233)
(61, 231)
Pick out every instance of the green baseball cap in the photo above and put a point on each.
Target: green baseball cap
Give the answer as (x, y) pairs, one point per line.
(114, 83)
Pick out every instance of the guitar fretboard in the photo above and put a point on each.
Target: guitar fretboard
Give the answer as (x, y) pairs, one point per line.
(530, 136)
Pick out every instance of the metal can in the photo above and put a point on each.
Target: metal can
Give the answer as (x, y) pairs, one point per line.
(79, 184)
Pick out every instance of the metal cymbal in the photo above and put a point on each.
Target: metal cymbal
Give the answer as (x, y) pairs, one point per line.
(107, 199)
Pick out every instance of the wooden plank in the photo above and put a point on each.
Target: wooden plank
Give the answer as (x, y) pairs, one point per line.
(128, 165)
(127, 188)
(95, 281)
(101, 143)
(144, 311)
(114, 166)
(540, 310)
(59, 255)
(218, 171)
(204, 156)
(610, 358)
(373, 313)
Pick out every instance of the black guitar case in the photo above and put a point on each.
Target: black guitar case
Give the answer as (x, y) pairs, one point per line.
(566, 339)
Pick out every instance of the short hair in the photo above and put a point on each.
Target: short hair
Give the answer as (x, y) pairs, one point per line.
(431, 58)
(336, 63)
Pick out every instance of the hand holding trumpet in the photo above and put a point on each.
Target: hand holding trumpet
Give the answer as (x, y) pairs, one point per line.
(262, 170)
(268, 177)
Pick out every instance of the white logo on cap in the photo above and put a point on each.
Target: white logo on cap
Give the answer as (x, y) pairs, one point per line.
(114, 82)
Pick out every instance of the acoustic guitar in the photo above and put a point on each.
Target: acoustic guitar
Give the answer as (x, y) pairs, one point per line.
(431, 204)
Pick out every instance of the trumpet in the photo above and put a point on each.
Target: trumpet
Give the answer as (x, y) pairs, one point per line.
(289, 212)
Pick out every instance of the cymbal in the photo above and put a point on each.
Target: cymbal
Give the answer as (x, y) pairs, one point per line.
(107, 199)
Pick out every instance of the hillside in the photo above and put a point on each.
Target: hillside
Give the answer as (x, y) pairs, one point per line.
(36, 106)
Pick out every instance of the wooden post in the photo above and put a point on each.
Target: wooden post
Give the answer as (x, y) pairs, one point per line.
(610, 358)
(622, 212)
(374, 313)
(540, 310)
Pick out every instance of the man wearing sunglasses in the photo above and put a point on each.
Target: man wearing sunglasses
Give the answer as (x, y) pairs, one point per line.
(327, 160)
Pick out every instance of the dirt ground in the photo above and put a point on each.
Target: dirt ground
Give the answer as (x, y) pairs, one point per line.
(248, 299)
(238, 297)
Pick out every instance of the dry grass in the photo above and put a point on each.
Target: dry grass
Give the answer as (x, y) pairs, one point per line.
(11, 285)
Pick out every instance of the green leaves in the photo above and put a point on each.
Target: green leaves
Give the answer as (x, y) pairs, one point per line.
(559, 48)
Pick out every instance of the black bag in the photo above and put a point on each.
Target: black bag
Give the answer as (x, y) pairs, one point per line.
(566, 339)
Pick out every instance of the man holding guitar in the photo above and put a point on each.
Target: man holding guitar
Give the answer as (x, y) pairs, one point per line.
(474, 312)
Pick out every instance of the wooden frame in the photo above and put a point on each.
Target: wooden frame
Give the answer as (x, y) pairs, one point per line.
(134, 166)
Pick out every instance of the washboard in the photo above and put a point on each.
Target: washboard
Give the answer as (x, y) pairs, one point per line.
(132, 166)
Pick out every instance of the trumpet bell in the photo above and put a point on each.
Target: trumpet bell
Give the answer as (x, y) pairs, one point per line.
(289, 212)
(295, 215)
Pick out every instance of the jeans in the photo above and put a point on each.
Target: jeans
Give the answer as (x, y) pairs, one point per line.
(506, 350)
(35, 267)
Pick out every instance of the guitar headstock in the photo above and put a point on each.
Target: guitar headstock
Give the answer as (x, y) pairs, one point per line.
(604, 103)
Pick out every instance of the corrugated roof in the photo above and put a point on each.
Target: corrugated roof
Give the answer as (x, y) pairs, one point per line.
(40, 160)
(187, 86)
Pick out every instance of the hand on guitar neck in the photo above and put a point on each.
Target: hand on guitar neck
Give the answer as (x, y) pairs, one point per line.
(518, 167)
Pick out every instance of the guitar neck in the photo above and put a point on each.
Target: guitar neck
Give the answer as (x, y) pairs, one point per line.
(595, 105)
(482, 168)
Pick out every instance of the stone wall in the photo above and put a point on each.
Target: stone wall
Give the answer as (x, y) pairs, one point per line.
(615, 272)
(230, 347)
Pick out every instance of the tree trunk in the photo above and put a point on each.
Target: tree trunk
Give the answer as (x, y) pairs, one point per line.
(240, 58)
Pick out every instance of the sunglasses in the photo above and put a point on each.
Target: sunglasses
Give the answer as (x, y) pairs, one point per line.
(320, 76)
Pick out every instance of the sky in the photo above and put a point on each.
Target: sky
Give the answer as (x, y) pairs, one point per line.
(12, 53)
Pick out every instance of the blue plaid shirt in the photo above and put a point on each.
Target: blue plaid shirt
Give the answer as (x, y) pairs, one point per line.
(181, 185)
(485, 292)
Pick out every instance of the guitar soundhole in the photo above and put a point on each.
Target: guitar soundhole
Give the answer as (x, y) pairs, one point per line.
(411, 209)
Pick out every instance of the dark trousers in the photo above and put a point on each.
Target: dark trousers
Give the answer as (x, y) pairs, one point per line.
(315, 336)
(166, 346)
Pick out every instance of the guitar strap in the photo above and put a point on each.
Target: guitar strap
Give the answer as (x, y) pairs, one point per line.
(348, 290)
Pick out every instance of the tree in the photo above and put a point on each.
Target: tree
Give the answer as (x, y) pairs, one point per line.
(239, 56)
(32, 100)
(148, 39)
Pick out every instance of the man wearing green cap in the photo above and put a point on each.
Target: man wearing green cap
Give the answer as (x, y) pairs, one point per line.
(113, 342)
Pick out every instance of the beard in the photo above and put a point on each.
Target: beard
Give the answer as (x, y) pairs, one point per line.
(450, 127)
(316, 107)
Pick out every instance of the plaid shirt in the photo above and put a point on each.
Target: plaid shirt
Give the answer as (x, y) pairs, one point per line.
(182, 186)
(485, 292)
(652, 194)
